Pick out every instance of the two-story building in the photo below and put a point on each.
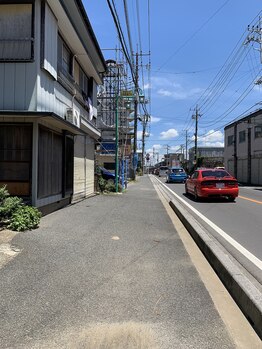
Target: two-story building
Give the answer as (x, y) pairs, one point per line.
(50, 66)
(243, 148)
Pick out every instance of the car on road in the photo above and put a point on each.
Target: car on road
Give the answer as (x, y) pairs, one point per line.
(176, 175)
(212, 183)
(162, 171)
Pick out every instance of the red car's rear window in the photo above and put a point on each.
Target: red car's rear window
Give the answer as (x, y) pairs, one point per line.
(217, 174)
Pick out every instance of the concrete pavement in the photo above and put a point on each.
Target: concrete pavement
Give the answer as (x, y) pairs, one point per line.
(109, 272)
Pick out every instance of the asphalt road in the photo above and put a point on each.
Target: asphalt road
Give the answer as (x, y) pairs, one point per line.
(112, 267)
(241, 220)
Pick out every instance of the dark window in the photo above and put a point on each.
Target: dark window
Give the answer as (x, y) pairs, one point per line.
(65, 58)
(16, 158)
(258, 131)
(16, 32)
(49, 163)
(218, 174)
(242, 136)
(109, 165)
(230, 140)
(69, 164)
(83, 83)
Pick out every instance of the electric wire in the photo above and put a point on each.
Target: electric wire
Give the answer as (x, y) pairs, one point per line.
(194, 34)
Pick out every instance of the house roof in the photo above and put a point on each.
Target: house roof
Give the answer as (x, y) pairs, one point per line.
(245, 118)
(76, 29)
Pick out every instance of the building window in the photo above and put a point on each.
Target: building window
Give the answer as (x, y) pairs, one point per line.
(16, 32)
(65, 58)
(83, 83)
(258, 131)
(230, 140)
(242, 136)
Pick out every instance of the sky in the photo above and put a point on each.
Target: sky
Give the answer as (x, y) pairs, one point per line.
(202, 58)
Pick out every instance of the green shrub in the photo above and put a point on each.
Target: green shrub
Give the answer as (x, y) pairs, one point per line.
(102, 183)
(3, 194)
(111, 187)
(9, 206)
(24, 218)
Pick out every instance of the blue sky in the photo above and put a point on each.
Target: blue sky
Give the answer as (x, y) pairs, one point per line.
(197, 58)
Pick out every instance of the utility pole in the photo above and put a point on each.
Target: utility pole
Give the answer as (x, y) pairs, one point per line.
(196, 117)
(186, 145)
(135, 116)
(167, 159)
(145, 120)
(256, 36)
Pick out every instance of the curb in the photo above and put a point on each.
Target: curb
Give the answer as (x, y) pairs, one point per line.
(245, 294)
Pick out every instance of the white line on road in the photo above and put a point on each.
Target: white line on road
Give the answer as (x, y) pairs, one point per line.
(256, 261)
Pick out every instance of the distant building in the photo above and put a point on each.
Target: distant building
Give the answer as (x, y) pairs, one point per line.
(208, 156)
(243, 148)
(174, 159)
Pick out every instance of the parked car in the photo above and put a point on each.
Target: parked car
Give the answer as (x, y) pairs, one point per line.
(211, 183)
(107, 175)
(156, 171)
(176, 175)
(162, 171)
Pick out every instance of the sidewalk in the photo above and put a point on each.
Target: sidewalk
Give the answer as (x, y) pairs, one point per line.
(110, 269)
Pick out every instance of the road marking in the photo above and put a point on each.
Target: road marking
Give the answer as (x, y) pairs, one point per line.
(256, 261)
(245, 198)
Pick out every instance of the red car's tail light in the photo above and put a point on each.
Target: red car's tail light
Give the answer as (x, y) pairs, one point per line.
(232, 184)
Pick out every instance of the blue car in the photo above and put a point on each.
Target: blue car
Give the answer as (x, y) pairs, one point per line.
(108, 175)
(176, 175)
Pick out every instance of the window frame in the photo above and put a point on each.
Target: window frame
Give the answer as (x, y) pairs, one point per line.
(61, 48)
(258, 134)
(242, 139)
(230, 140)
(32, 55)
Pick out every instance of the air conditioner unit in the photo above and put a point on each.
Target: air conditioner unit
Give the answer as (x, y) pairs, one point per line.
(73, 116)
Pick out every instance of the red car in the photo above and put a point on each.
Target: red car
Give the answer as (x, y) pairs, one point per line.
(212, 183)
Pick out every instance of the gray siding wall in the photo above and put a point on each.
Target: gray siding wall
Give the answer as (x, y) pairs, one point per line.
(33, 85)
(242, 152)
(18, 80)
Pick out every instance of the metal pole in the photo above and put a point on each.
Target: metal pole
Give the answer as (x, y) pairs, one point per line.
(135, 114)
(196, 130)
(116, 146)
(143, 141)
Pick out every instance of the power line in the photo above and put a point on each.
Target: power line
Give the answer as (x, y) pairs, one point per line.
(194, 34)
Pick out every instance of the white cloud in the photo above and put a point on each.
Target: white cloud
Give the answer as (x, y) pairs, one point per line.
(147, 86)
(169, 134)
(179, 93)
(164, 93)
(212, 139)
(155, 149)
(175, 149)
(154, 119)
(140, 133)
(168, 87)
